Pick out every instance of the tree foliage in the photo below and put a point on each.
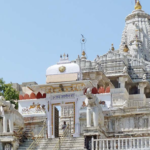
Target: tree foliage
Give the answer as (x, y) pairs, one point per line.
(9, 93)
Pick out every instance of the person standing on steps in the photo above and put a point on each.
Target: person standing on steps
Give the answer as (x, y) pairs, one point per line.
(64, 126)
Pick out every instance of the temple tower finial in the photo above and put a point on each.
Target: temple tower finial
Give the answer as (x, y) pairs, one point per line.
(138, 5)
(112, 47)
(83, 41)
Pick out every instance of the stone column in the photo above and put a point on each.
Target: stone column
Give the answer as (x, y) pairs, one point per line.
(1, 127)
(148, 122)
(1, 146)
(110, 125)
(88, 116)
(48, 120)
(95, 116)
(11, 123)
(4, 124)
(77, 121)
(141, 87)
(122, 81)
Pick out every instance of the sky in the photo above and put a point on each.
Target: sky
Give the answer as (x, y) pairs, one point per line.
(34, 33)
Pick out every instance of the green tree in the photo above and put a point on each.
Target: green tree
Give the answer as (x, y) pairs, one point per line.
(9, 93)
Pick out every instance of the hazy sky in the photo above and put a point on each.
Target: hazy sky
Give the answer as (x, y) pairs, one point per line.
(33, 33)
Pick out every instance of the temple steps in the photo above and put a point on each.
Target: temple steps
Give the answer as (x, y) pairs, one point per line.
(26, 129)
(49, 144)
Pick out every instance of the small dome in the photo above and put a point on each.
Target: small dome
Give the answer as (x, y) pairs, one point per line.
(101, 90)
(63, 69)
(94, 90)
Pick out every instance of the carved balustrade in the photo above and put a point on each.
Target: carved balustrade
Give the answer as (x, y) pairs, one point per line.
(140, 143)
(137, 100)
(136, 104)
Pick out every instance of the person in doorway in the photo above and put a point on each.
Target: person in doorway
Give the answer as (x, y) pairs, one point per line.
(64, 126)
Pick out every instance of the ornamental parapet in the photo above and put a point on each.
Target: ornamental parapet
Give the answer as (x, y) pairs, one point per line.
(137, 97)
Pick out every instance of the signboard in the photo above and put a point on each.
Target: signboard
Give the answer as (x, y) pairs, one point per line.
(63, 96)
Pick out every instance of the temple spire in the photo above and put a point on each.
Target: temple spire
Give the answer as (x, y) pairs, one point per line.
(138, 5)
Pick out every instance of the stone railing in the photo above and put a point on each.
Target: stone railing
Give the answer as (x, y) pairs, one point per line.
(119, 90)
(139, 143)
(39, 137)
(136, 100)
(113, 71)
(61, 140)
(137, 97)
(136, 104)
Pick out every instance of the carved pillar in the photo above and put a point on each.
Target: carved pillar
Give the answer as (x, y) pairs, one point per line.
(11, 124)
(148, 122)
(95, 116)
(110, 124)
(88, 116)
(1, 146)
(131, 121)
(141, 87)
(122, 81)
(1, 127)
(124, 124)
(4, 124)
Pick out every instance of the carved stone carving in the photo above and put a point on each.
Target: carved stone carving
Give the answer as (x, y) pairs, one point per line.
(93, 106)
(125, 69)
(11, 115)
(34, 109)
(118, 100)
(67, 110)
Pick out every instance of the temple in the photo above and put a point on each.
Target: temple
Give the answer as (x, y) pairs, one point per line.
(89, 105)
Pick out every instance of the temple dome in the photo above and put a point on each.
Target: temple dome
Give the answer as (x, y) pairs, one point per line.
(68, 68)
(63, 71)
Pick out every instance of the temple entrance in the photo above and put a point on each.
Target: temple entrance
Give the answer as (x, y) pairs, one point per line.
(63, 114)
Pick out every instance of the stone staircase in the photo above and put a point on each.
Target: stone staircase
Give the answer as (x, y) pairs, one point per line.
(26, 129)
(49, 144)
(25, 145)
